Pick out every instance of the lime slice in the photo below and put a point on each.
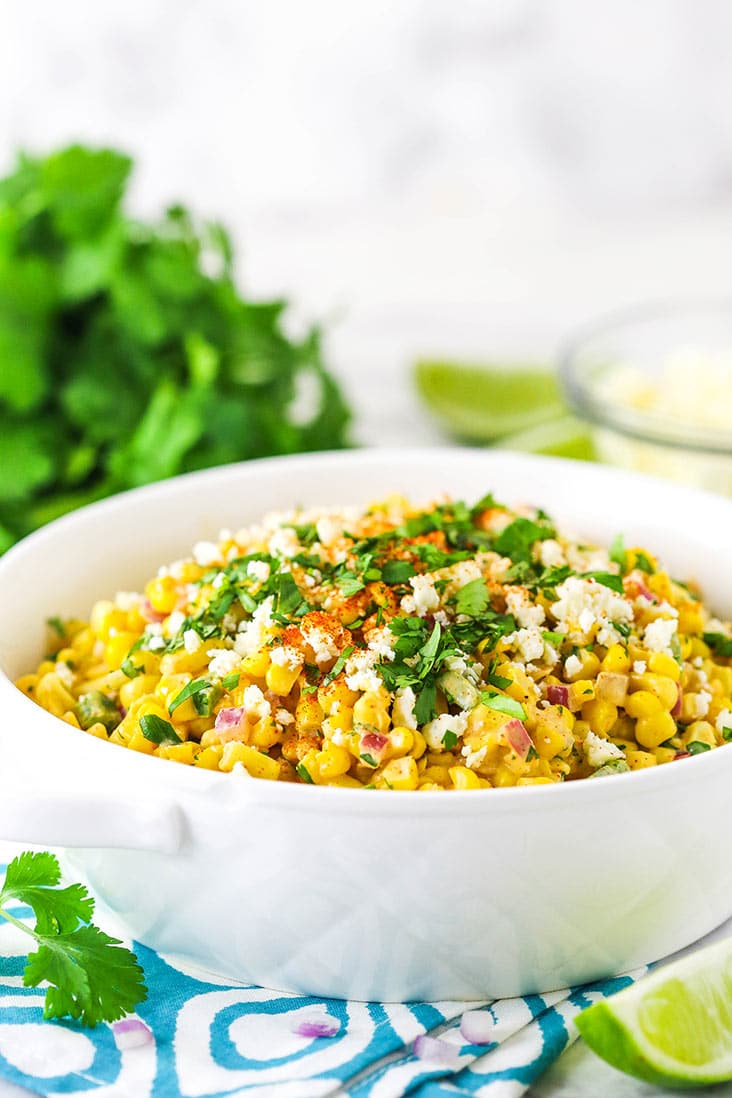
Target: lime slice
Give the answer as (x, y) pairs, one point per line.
(484, 403)
(563, 437)
(673, 1028)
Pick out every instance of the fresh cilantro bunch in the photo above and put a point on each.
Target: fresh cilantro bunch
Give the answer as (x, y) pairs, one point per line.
(127, 353)
(92, 977)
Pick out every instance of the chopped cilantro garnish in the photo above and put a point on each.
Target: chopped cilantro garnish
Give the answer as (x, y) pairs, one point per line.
(696, 747)
(307, 533)
(516, 539)
(607, 579)
(231, 681)
(368, 759)
(303, 772)
(449, 740)
(473, 598)
(339, 664)
(397, 571)
(727, 734)
(57, 625)
(618, 554)
(532, 753)
(622, 627)
(127, 667)
(643, 563)
(157, 730)
(719, 643)
(503, 704)
(553, 638)
(349, 583)
(195, 686)
(425, 707)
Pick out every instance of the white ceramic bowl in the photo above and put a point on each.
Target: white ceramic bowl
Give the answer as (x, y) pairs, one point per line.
(368, 895)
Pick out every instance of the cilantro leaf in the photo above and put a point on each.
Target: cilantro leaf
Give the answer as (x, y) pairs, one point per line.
(697, 747)
(503, 704)
(516, 539)
(607, 579)
(425, 707)
(719, 643)
(195, 686)
(92, 977)
(618, 554)
(397, 571)
(473, 598)
(157, 730)
(449, 740)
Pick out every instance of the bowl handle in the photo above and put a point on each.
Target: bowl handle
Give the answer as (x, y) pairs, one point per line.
(89, 822)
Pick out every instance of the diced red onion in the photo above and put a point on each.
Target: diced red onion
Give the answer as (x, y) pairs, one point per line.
(557, 695)
(131, 1033)
(316, 1023)
(676, 711)
(517, 737)
(478, 1027)
(612, 687)
(682, 755)
(149, 614)
(227, 719)
(374, 741)
(436, 1051)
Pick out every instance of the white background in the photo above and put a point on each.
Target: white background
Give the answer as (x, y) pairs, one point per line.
(431, 176)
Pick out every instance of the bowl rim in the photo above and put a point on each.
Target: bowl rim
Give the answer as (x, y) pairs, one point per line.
(626, 420)
(297, 796)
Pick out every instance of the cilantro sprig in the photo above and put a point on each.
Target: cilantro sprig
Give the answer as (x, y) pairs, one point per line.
(93, 977)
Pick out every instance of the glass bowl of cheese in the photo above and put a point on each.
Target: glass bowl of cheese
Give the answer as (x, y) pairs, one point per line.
(655, 384)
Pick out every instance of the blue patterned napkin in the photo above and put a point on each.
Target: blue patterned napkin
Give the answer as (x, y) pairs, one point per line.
(212, 1038)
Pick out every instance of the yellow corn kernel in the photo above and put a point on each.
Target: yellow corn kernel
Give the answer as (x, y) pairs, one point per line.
(581, 691)
(689, 706)
(98, 731)
(638, 760)
(398, 774)
(691, 618)
(133, 689)
(310, 763)
(420, 745)
(372, 708)
(698, 647)
(654, 730)
(209, 758)
(659, 582)
(616, 660)
(438, 774)
(105, 616)
(118, 645)
(308, 714)
(52, 695)
(722, 675)
(210, 738)
(264, 733)
(336, 695)
(342, 719)
(664, 754)
(148, 705)
(256, 664)
(333, 761)
(187, 571)
(662, 687)
(536, 781)
(253, 761)
(430, 785)
(600, 715)
(700, 732)
(182, 662)
(138, 743)
(178, 752)
(345, 781)
(280, 680)
(401, 742)
(660, 663)
(522, 687)
(551, 739)
(27, 683)
(503, 777)
(463, 778)
(162, 593)
(642, 704)
(71, 719)
(168, 688)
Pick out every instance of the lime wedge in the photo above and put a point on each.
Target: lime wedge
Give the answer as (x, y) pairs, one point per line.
(673, 1028)
(563, 437)
(483, 403)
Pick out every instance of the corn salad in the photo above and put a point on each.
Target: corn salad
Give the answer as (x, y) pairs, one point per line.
(452, 647)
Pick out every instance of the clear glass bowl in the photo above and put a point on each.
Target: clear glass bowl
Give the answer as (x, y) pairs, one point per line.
(680, 355)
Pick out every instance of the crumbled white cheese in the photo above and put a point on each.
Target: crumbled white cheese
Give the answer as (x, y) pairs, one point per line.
(381, 642)
(329, 530)
(360, 673)
(284, 543)
(174, 622)
(700, 703)
(599, 751)
(724, 720)
(658, 635)
(402, 711)
(525, 612)
(65, 673)
(324, 645)
(473, 759)
(155, 640)
(434, 731)
(287, 656)
(253, 634)
(585, 605)
(460, 574)
(255, 704)
(284, 717)
(529, 643)
(258, 570)
(424, 598)
(206, 553)
(223, 662)
(640, 667)
(218, 581)
(551, 553)
(572, 665)
(191, 641)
